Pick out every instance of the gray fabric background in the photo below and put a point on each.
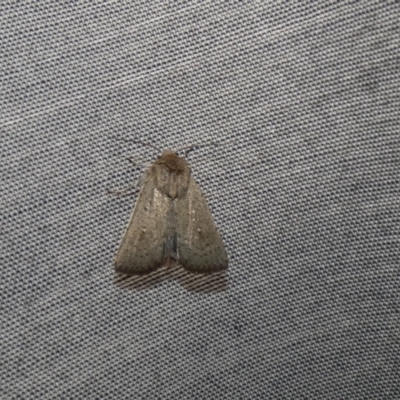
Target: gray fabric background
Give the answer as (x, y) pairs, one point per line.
(304, 187)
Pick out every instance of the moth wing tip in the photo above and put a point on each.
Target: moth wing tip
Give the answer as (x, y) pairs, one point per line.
(132, 270)
(206, 269)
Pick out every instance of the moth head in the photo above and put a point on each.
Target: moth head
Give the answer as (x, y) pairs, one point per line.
(170, 160)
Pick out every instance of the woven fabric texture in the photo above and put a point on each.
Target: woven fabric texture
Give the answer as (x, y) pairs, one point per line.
(298, 104)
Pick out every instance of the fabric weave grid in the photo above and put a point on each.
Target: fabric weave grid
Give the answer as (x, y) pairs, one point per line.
(303, 101)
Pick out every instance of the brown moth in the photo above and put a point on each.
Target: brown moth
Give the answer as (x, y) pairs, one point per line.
(171, 222)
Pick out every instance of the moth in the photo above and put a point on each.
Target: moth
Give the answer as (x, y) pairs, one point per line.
(170, 223)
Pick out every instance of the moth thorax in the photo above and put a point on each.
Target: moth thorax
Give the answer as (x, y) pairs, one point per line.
(172, 162)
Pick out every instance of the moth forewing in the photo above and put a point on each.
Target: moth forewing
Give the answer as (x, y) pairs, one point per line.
(171, 221)
(142, 246)
(200, 247)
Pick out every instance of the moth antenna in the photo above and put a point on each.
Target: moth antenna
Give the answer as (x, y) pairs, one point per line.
(137, 142)
(193, 146)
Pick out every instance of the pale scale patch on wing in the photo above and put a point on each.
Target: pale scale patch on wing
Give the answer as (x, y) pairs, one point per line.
(200, 246)
(142, 246)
